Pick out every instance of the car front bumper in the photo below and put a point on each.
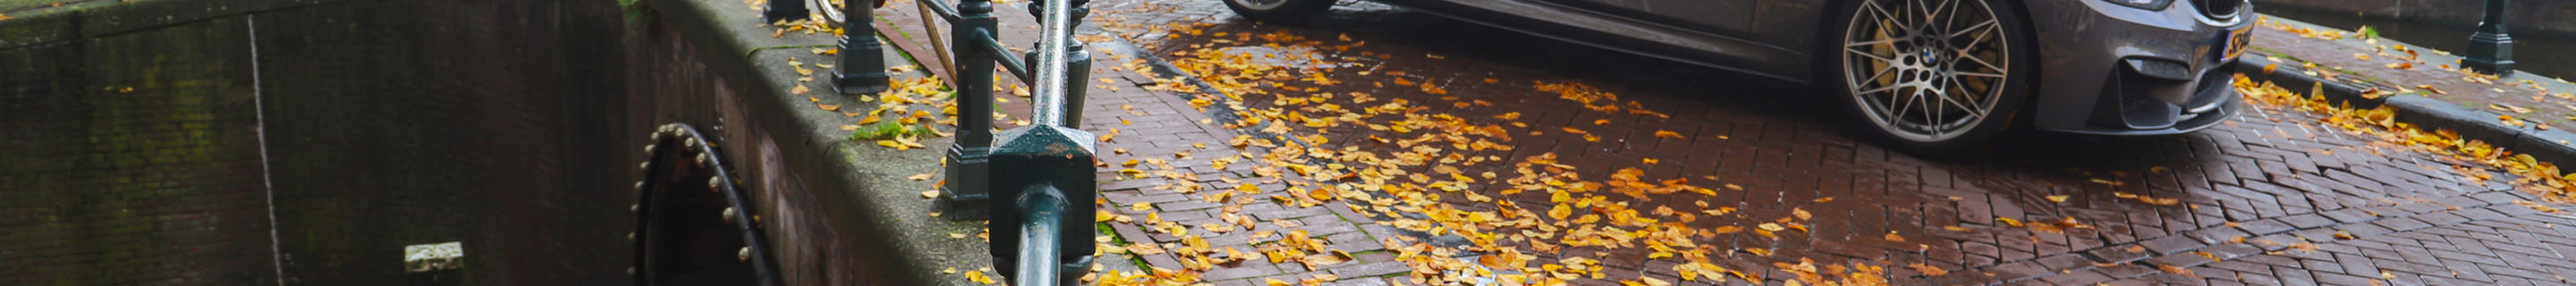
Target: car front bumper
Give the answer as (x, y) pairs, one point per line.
(2116, 70)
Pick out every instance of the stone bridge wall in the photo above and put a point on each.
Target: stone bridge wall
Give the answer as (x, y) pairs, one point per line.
(244, 142)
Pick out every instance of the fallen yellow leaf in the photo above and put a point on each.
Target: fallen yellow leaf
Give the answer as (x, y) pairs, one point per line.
(1928, 270)
(2176, 270)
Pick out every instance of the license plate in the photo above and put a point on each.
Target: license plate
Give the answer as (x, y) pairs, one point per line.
(2234, 42)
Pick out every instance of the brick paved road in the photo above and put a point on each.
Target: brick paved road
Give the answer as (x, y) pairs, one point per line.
(2269, 199)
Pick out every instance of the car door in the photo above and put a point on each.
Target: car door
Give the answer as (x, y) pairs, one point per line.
(1729, 17)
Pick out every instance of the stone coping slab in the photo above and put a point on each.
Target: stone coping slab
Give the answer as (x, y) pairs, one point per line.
(84, 19)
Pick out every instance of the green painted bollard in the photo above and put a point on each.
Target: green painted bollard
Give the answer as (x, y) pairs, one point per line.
(2491, 49)
(862, 69)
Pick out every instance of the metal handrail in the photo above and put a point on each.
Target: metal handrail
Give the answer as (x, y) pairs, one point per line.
(1011, 64)
(1041, 208)
(1037, 237)
(1040, 239)
(1017, 68)
(1055, 51)
(861, 74)
(1059, 150)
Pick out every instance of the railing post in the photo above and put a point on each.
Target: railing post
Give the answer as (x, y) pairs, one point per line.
(1039, 159)
(1077, 58)
(967, 186)
(863, 66)
(1041, 229)
(785, 10)
(2491, 49)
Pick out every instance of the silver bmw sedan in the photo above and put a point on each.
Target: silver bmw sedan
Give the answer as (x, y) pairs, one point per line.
(1928, 76)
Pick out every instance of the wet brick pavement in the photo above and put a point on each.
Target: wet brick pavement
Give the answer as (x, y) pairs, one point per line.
(2269, 199)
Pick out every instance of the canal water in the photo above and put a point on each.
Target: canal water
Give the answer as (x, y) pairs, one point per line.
(2536, 53)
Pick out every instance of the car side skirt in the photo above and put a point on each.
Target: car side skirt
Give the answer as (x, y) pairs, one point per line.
(1631, 35)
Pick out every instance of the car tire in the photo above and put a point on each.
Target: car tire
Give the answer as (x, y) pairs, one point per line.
(1278, 10)
(1970, 72)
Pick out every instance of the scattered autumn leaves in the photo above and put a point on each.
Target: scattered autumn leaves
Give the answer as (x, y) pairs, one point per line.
(1410, 165)
(1417, 161)
(2543, 178)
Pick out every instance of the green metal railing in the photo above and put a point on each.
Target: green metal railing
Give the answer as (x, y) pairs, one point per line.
(1038, 173)
(1046, 167)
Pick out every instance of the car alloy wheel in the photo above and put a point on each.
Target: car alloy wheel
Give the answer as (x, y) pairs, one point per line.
(1279, 10)
(1260, 4)
(1930, 71)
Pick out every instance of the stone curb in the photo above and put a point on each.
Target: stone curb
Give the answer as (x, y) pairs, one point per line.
(2427, 113)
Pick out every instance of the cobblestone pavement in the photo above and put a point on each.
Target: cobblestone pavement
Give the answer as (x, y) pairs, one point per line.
(1747, 179)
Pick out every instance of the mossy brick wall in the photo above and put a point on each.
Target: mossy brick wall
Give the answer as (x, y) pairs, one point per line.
(158, 184)
(502, 124)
